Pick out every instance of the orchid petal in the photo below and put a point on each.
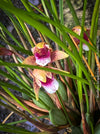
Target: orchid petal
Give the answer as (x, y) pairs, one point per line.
(58, 55)
(36, 88)
(40, 45)
(30, 60)
(77, 30)
(40, 75)
(85, 47)
(49, 75)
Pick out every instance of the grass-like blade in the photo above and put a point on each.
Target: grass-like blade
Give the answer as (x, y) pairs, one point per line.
(17, 130)
(53, 70)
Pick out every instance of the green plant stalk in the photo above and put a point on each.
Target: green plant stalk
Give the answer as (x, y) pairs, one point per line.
(46, 12)
(15, 59)
(71, 92)
(71, 71)
(94, 16)
(54, 9)
(46, 19)
(10, 35)
(93, 31)
(25, 31)
(20, 36)
(29, 93)
(9, 104)
(36, 8)
(93, 34)
(61, 72)
(18, 77)
(80, 53)
(87, 99)
(27, 90)
(51, 10)
(21, 121)
(18, 130)
(36, 123)
(80, 94)
(73, 12)
(93, 26)
(27, 6)
(52, 36)
(51, 26)
(16, 47)
(18, 102)
(23, 75)
(17, 89)
(61, 12)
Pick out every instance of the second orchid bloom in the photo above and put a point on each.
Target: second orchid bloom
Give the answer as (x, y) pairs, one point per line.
(77, 30)
(42, 56)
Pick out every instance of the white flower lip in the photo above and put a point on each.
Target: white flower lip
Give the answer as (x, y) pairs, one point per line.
(43, 61)
(52, 86)
(85, 47)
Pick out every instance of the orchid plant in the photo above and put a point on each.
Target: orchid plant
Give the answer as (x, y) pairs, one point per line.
(57, 76)
(43, 55)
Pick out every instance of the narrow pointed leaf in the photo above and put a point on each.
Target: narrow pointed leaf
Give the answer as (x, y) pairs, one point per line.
(49, 69)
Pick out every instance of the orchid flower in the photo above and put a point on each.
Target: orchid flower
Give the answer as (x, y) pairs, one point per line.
(46, 80)
(77, 30)
(44, 55)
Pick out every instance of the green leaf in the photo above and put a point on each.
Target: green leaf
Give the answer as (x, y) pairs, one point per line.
(25, 96)
(10, 35)
(73, 12)
(41, 104)
(24, 120)
(46, 99)
(18, 101)
(76, 130)
(61, 11)
(57, 117)
(17, 130)
(13, 79)
(34, 20)
(97, 129)
(62, 91)
(53, 5)
(53, 70)
(22, 90)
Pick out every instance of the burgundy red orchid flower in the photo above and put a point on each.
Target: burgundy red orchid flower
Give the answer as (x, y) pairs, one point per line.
(42, 56)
